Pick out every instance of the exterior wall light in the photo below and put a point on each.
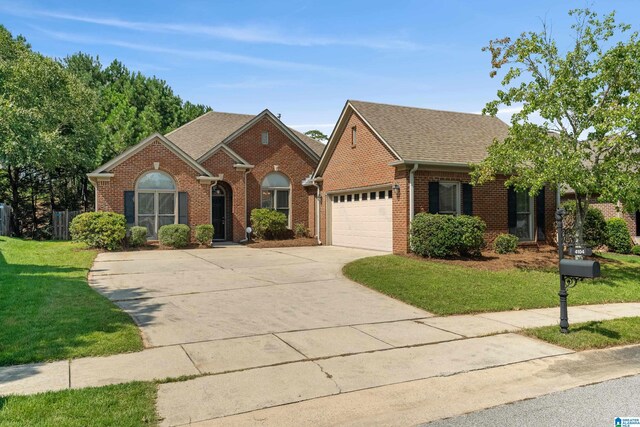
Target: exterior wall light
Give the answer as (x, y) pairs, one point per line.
(396, 188)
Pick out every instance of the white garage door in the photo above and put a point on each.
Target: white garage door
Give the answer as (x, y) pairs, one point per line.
(362, 220)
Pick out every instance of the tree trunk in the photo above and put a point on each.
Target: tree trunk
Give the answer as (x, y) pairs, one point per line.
(14, 183)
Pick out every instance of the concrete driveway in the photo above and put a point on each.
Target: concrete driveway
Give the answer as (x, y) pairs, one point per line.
(189, 296)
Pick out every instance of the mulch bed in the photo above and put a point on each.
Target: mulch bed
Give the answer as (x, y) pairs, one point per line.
(534, 258)
(286, 243)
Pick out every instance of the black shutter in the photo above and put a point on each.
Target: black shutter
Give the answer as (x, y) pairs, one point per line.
(467, 199)
(183, 208)
(434, 197)
(512, 210)
(540, 214)
(129, 207)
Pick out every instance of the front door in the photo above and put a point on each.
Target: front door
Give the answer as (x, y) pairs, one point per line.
(218, 210)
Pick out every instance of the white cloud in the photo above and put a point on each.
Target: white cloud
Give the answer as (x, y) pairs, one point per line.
(239, 33)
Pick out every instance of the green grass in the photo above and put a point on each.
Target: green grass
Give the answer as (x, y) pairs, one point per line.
(124, 405)
(49, 312)
(451, 289)
(591, 335)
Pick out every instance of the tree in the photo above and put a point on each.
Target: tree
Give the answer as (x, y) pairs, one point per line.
(588, 98)
(317, 135)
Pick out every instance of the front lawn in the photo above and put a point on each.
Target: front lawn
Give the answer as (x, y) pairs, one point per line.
(49, 312)
(123, 405)
(448, 288)
(591, 335)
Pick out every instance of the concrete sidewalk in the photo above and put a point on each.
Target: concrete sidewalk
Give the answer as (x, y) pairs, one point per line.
(356, 356)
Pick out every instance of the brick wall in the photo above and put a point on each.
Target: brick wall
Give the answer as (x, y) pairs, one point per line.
(610, 210)
(110, 195)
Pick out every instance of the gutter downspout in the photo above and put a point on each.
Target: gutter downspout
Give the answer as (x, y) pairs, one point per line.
(317, 213)
(246, 217)
(411, 197)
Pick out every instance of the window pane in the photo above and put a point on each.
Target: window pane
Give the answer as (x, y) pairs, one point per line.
(145, 203)
(349, 197)
(166, 203)
(282, 197)
(267, 199)
(335, 199)
(156, 181)
(381, 194)
(364, 196)
(522, 202)
(523, 226)
(356, 197)
(342, 198)
(372, 195)
(448, 197)
(275, 180)
(165, 220)
(149, 222)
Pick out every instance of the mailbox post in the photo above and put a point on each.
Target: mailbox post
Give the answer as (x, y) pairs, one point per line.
(571, 270)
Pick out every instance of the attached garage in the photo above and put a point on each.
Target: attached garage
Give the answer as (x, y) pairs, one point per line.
(362, 219)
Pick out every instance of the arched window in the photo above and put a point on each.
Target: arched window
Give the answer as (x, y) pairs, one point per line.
(276, 192)
(156, 198)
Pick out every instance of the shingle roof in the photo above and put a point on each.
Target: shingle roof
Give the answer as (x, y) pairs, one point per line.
(433, 135)
(205, 132)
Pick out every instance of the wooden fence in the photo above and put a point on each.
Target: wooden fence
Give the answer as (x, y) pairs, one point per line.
(5, 219)
(61, 221)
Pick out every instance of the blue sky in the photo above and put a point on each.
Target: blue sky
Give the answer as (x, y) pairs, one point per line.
(302, 59)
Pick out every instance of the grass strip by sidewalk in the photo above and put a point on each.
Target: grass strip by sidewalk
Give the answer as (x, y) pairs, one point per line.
(446, 289)
(591, 335)
(123, 405)
(49, 312)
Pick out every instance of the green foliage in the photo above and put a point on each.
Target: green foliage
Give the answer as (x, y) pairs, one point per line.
(636, 250)
(174, 235)
(301, 230)
(588, 100)
(441, 236)
(102, 230)
(594, 226)
(505, 243)
(204, 234)
(317, 135)
(138, 236)
(268, 223)
(472, 238)
(618, 237)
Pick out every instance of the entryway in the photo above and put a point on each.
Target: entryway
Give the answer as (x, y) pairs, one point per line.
(221, 211)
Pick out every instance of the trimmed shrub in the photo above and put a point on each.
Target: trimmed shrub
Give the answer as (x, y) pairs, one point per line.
(636, 250)
(505, 243)
(472, 237)
(204, 234)
(300, 230)
(102, 230)
(174, 235)
(594, 227)
(138, 236)
(434, 235)
(618, 237)
(268, 223)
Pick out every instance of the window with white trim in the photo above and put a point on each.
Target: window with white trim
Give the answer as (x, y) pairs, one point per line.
(353, 136)
(524, 216)
(276, 193)
(156, 202)
(265, 138)
(449, 198)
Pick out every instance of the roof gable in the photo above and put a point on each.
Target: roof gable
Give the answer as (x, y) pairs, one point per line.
(141, 145)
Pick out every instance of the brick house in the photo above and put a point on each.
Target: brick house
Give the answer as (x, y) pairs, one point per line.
(383, 164)
(212, 170)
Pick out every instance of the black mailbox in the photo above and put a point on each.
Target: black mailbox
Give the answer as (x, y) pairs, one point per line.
(579, 268)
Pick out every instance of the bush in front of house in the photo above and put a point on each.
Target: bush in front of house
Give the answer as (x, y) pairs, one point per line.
(594, 227)
(138, 236)
(636, 250)
(618, 236)
(101, 230)
(505, 243)
(268, 224)
(174, 235)
(204, 234)
(300, 230)
(442, 236)
(472, 234)
(434, 235)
